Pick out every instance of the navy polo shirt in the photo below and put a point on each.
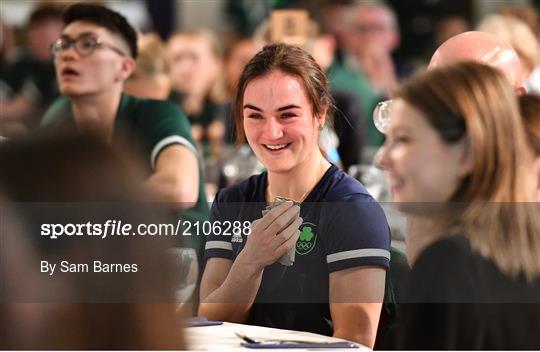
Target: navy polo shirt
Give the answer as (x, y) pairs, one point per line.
(343, 227)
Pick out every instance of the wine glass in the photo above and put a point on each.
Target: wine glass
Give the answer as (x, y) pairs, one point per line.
(187, 268)
(381, 115)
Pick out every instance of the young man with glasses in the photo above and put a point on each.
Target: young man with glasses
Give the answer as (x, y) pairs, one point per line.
(93, 57)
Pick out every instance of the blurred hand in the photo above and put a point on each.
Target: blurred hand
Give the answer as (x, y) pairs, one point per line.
(378, 65)
(270, 236)
(197, 133)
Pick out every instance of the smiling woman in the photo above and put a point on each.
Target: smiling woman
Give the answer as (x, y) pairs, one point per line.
(282, 130)
(456, 157)
(335, 283)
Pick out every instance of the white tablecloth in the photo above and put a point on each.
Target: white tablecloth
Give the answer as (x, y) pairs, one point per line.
(222, 337)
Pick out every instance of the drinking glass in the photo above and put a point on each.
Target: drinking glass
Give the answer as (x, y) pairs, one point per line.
(187, 269)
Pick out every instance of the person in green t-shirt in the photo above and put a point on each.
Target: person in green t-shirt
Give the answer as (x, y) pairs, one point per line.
(93, 57)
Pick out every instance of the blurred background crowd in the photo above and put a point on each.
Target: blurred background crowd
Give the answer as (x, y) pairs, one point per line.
(193, 52)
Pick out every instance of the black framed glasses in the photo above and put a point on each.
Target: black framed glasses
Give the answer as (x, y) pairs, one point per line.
(83, 45)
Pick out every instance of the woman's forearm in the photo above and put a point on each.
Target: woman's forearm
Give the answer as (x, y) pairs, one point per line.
(232, 300)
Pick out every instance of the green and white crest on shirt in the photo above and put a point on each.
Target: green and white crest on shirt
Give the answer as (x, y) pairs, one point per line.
(307, 240)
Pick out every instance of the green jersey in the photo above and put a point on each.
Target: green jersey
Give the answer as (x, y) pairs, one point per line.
(340, 77)
(150, 126)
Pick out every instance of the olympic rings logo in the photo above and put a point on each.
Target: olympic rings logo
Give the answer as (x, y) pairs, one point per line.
(303, 246)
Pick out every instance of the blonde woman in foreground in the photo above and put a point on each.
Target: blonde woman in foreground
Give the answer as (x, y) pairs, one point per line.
(456, 154)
